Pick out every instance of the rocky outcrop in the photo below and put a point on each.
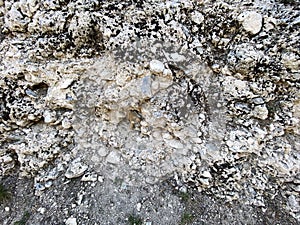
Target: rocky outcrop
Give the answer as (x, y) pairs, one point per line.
(205, 92)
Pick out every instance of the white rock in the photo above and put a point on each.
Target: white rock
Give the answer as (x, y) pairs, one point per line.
(293, 203)
(146, 86)
(167, 136)
(102, 151)
(138, 206)
(174, 143)
(66, 83)
(79, 198)
(66, 123)
(206, 174)
(167, 73)
(236, 87)
(76, 169)
(6, 159)
(261, 112)
(89, 177)
(14, 19)
(6, 209)
(157, 66)
(101, 179)
(291, 61)
(60, 97)
(204, 181)
(197, 17)
(251, 21)
(71, 221)
(31, 117)
(113, 157)
(197, 140)
(41, 210)
(49, 117)
(177, 57)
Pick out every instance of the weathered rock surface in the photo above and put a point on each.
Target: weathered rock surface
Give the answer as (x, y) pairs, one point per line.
(205, 93)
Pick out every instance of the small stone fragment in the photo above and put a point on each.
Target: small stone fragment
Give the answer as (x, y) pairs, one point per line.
(66, 123)
(100, 179)
(146, 86)
(261, 112)
(49, 117)
(113, 157)
(89, 177)
(76, 169)
(291, 61)
(251, 21)
(138, 206)
(41, 210)
(71, 221)
(174, 143)
(197, 17)
(157, 66)
(293, 203)
(204, 181)
(102, 151)
(206, 174)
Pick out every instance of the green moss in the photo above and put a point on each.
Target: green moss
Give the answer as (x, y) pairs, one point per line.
(184, 196)
(118, 181)
(23, 220)
(134, 220)
(4, 193)
(186, 218)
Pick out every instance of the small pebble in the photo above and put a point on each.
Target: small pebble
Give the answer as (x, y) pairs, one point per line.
(71, 221)
(251, 21)
(157, 66)
(113, 157)
(197, 17)
(138, 206)
(76, 169)
(89, 177)
(41, 210)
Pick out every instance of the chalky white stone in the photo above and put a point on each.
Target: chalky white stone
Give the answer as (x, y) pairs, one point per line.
(261, 112)
(113, 157)
(76, 169)
(157, 66)
(197, 17)
(71, 221)
(251, 21)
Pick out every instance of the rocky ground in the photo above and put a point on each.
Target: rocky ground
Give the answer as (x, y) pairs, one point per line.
(149, 112)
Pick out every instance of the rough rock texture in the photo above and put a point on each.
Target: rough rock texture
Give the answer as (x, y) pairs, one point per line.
(114, 98)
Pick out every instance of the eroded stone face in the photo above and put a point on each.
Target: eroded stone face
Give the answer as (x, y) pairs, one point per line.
(154, 122)
(205, 92)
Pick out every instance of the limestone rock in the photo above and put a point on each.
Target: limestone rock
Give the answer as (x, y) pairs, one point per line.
(76, 169)
(113, 157)
(157, 66)
(251, 21)
(89, 177)
(261, 112)
(71, 221)
(197, 17)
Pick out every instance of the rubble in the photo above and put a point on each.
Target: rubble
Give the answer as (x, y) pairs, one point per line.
(251, 21)
(202, 92)
(76, 169)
